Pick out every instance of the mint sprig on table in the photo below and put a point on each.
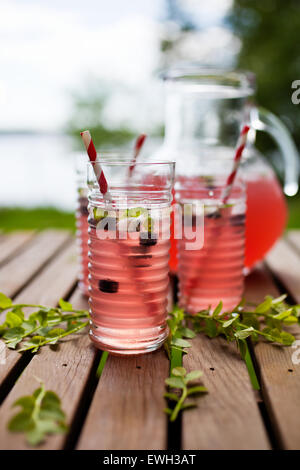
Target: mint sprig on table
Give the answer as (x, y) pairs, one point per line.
(40, 415)
(265, 321)
(184, 383)
(43, 326)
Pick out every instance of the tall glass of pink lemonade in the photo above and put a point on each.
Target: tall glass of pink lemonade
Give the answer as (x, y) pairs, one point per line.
(212, 271)
(129, 241)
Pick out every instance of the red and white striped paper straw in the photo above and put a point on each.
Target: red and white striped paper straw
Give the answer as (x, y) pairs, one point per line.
(137, 148)
(92, 154)
(237, 159)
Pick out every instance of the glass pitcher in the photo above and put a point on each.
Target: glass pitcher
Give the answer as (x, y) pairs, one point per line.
(205, 111)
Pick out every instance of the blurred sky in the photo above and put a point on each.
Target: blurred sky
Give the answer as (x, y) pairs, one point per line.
(50, 47)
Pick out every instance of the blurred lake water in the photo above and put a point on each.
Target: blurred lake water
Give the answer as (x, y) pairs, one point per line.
(37, 171)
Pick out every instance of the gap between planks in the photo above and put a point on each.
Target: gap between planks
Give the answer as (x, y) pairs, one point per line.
(228, 416)
(284, 263)
(127, 408)
(280, 378)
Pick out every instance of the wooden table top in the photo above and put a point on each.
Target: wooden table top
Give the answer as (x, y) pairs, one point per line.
(124, 409)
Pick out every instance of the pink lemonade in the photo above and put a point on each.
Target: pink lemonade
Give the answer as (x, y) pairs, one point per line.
(213, 272)
(266, 217)
(128, 285)
(265, 220)
(82, 239)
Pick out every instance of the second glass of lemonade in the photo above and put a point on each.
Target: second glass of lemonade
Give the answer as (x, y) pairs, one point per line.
(211, 270)
(129, 241)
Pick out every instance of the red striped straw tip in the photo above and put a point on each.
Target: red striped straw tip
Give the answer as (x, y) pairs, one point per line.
(137, 148)
(245, 130)
(237, 158)
(140, 142)
(92, 154)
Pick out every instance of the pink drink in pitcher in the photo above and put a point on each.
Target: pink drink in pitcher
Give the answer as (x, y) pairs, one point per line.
(129, 241)
(214, 271)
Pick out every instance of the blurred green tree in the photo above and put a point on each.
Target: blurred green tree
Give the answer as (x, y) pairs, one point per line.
(270, 47)
(88, 113)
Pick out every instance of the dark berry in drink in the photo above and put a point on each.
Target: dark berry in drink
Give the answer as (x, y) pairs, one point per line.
(214, 215)
(148, 239)
(108, 286)
(238, 219)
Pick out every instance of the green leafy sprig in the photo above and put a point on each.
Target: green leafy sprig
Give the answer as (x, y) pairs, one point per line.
(40, 415)
(178, 332)
(184, 387)
(43, 326)
(267, 321)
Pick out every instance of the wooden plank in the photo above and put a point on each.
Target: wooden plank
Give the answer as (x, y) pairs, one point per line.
(280, 378)
(10, 244)
(293, 237)
(19, 270)
(127, 408)
(228, 416)
(65, 370)
(53, 282)
(284, 262)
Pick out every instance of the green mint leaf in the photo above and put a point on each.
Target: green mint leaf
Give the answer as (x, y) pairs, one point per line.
(21, 422)
(217, 310)
(290, 320)
(13, 336)
(211, 328)
(194, 375)
(65, 305)
(26, 402)
(180, 342)
(264, 306)
(179, 371)
(280, 299)
(175, 382)
(40, 415)
(186, 332)
(197, 389)
(171, 396)
(33, 344)
(228, 323)
(13, 319)
(277, 336)
(283, 315)
(5, 302)
(55, 334)
(243, 334)
(187, 406)
(250, 319)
